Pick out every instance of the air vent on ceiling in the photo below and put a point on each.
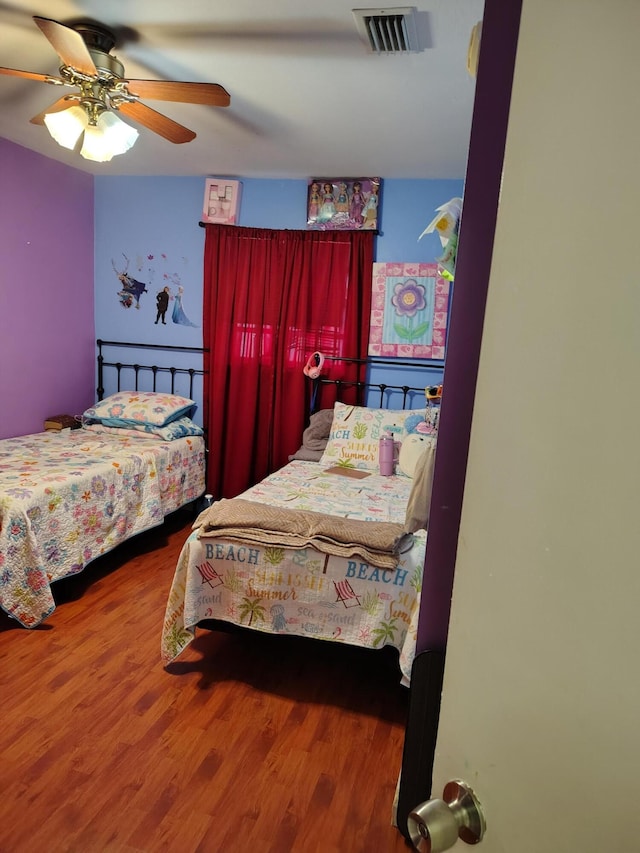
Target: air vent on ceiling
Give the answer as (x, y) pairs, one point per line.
(388, 30)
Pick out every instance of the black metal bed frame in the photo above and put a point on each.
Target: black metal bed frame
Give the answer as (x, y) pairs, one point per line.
(381, 387)
(138, 368)
(361, 386)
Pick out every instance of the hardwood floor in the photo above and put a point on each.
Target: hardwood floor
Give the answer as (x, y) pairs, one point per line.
(249, 743)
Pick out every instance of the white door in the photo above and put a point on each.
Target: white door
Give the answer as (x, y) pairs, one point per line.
(541, 702)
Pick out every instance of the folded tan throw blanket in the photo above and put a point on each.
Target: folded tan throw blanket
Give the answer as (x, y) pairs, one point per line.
(378, 542)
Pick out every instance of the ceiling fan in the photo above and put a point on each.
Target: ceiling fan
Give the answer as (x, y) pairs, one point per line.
(89, 67)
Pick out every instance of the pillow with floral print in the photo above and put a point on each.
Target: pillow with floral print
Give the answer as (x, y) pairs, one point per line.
(355, 433)
(127, 408)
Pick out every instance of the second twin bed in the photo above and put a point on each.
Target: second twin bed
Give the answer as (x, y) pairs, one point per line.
(326, 549)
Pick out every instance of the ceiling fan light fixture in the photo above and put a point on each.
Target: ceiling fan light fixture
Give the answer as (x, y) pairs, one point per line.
(94, 145)
(109, 137)
(87, 64)
(67, 126)
(121, 135)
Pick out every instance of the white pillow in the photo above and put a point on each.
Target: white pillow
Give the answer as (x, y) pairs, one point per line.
(412, 449)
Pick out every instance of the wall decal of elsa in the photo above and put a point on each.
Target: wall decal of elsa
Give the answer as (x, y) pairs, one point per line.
(177, 315)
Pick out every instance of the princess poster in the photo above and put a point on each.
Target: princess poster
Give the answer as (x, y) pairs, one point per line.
(343, 204)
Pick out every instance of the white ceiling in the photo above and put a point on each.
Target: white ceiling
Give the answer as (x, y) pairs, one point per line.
(308, 97)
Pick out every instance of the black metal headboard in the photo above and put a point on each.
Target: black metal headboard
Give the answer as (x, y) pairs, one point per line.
(383, 394)
(139, 369)
(381, 390)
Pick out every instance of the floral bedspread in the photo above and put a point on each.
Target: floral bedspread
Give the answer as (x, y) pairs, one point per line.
(303, 592)
(67, 497)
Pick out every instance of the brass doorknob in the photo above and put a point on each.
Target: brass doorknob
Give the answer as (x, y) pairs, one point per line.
(436, 825)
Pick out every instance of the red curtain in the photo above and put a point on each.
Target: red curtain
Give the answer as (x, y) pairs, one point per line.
(271, 299)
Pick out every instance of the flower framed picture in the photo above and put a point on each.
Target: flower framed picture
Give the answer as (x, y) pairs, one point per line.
(343, 204)
(409, 311)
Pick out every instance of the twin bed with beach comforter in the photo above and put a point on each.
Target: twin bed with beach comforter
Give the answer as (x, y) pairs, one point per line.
(69, 496)
(327, 549)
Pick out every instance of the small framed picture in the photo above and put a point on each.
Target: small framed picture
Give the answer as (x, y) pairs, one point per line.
(343, 204)
(221, 201)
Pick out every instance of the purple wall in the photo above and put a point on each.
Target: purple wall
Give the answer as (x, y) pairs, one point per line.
(47, 349)
(500, 27)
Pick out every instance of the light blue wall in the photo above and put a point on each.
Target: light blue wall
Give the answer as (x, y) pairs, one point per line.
(153, 221)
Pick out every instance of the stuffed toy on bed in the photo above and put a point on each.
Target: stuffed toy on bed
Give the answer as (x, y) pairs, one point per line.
(426, 424)
(422, 430)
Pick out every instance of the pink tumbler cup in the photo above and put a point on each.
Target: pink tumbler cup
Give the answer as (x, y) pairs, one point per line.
(386, 454)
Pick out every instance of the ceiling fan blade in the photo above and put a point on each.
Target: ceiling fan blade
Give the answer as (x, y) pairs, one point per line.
(157, 122)
(31, 75)
(57, 107)
(187, 93)
(68, 44)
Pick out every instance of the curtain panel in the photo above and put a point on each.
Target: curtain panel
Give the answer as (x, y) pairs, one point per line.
(271, 298)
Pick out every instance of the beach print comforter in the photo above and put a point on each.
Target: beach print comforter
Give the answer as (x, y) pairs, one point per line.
(303, 591)
(68, 497)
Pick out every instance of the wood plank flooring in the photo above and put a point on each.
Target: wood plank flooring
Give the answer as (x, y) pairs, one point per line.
(249, 743)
